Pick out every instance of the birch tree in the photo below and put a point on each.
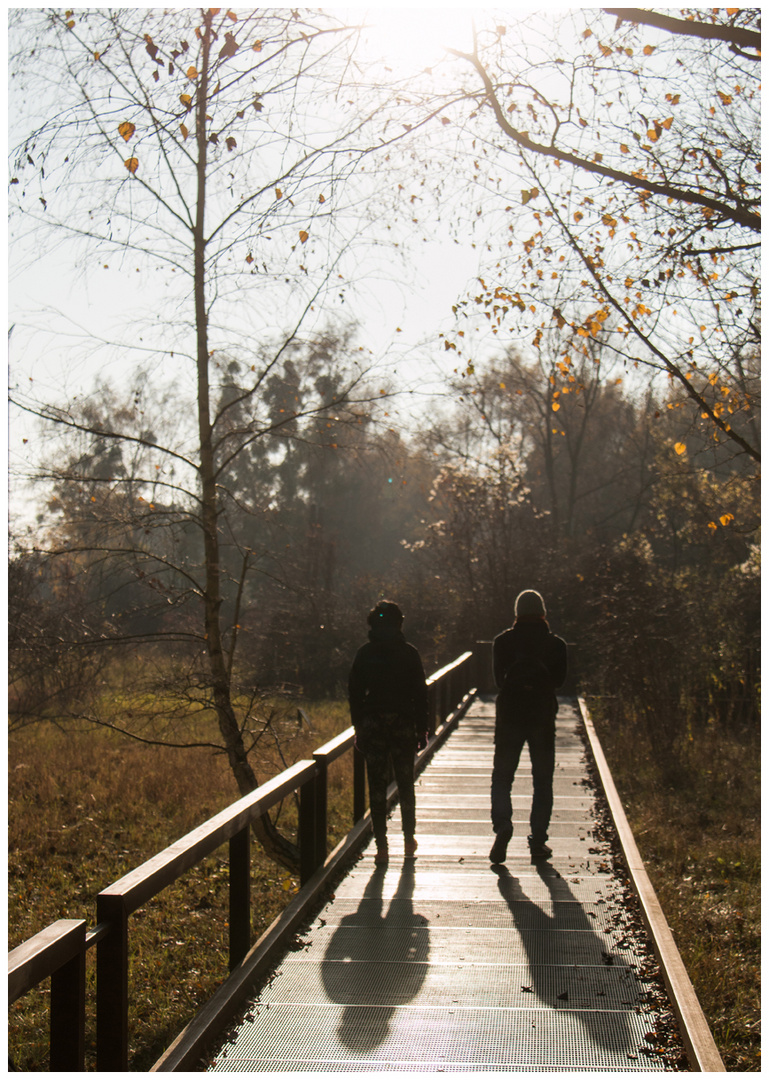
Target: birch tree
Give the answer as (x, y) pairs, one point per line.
(217, 156)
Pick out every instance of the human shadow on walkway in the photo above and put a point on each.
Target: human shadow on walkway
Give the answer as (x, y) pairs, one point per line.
(579, 971)
(376, 962)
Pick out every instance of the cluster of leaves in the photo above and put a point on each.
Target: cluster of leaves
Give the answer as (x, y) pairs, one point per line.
(643, 226)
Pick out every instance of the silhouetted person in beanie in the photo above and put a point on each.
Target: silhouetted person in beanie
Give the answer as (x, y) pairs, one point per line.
(529, 664)
(389, 711)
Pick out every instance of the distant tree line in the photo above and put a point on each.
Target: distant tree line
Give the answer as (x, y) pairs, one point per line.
(647, 553)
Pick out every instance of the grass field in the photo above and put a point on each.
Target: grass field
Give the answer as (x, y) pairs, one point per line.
(86, 806)
(696, 819)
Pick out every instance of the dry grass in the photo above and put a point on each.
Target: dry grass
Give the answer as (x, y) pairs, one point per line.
(696, 818)
(85, 807)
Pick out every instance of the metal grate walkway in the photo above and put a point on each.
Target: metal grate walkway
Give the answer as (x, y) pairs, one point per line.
(447, 964)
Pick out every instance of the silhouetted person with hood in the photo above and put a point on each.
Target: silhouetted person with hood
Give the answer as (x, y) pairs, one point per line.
(529, 664)
(389, 711)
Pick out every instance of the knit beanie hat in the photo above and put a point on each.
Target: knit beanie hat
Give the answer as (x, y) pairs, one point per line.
(530, 602)
(385, 612)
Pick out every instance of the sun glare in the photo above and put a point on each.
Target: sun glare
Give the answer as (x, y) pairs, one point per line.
(410, 39)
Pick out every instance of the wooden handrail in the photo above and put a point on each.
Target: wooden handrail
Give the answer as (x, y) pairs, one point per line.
(52, 952)
(57, 951)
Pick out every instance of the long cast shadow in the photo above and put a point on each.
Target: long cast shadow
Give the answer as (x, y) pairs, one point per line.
(376, 962)
(583, 975)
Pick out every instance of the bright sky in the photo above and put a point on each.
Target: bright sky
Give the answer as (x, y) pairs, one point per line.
(397, 313)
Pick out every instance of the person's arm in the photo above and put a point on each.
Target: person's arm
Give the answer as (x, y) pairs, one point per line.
(499, 660)
(356, 690)
(560, 662)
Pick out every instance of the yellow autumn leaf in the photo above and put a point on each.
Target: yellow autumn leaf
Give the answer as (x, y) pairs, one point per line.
(186, 100)
(304, 236)
(648, 50)
(680, 448)
(624, 149)
(132, 164)
(184, 131)
(607, 219)
(556, 406)
(725, 98)
(726, 518)
(126, 129)
(192, 73)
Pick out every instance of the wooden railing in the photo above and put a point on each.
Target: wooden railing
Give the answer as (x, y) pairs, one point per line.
(59, 951)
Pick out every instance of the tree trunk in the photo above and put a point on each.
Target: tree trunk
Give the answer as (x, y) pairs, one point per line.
(277, 846)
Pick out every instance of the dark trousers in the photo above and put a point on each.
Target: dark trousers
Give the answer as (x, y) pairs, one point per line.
(510, 734)
(379, 753)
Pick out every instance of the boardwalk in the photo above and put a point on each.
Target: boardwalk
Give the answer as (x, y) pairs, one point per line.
(446, 964)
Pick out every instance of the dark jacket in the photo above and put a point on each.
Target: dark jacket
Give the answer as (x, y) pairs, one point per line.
(529, 635)
(387, 677)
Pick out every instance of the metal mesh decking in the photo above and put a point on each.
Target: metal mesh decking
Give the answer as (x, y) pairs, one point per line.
(448, 964)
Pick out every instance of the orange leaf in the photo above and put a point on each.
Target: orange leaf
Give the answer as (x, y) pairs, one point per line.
(186, 100)
(184, 131)
(680, 448)
(192, 73)
(126, 129)
(304, 236)
(132, 164)
(648, 50)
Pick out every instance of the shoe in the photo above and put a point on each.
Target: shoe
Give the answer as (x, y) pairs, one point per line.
(499, 847)
(409, 847)
(540, 851)
(382, 857)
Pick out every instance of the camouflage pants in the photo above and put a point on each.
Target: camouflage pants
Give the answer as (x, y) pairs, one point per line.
(387, 739)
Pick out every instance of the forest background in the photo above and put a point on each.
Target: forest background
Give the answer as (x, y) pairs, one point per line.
(217, 476)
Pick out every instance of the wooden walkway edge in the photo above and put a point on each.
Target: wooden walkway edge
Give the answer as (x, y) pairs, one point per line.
(446, 963)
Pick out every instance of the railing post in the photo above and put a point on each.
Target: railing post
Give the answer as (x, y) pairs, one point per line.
(112, 986)
(321, 808)
(68, 1012)
(358, 784)
(307, 837)
(432, 705)
(240, 895)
